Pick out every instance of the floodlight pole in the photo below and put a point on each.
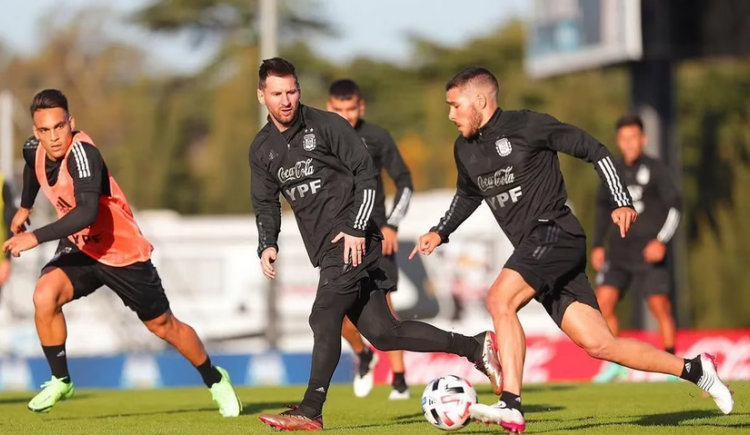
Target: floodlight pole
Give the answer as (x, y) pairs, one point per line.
(6, 134)
(268, 39)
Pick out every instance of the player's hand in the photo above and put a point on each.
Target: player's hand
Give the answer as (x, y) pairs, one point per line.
(390, 240)
(4, 272)
(267, 257)
(598, 257)
(624, 217)
(353, 247)
(426, 244)
(655, 251)
(19, 243)
(20, 220)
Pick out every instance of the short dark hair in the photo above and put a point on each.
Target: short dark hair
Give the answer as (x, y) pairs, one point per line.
(629, 120)
(277, 67)
(474, 73)
(344, 89)
(49, 99)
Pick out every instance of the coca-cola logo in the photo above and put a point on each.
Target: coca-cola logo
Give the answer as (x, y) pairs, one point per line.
(303, 168)
(732, 355)
(501, 177)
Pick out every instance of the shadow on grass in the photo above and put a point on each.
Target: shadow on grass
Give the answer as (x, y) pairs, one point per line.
(675, 419)
(248, 409)
(17, 400)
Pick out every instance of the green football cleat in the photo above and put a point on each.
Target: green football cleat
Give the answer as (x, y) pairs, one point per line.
(223, 394)
(611, 373)
(53, 391)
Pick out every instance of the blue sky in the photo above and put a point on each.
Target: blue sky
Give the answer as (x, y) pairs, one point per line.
(375, 28)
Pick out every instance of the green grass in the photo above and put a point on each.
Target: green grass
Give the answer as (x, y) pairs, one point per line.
(655, 408)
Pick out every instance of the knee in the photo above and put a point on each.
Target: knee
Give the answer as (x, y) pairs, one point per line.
(324, 323)
(500, 305)
(163, 326)
(46, 299)
(660, 306)
(599, 348)
(380, 336)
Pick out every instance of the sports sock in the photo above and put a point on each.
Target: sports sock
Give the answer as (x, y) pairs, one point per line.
(58, 361)
(209, 373)
(692, 369)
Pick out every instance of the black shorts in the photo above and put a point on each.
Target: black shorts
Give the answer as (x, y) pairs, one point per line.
(339, 277)
(390, 266)
(646, 279)
(138, 285)
(553, 263)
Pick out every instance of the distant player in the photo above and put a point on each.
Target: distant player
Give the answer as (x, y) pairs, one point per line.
(509, 160)
(638, 260)
(100, 245)
(344, 98)
(319, 163)
(7, 210)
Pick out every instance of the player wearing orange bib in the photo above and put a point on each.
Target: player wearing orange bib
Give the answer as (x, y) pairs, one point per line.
(100, 245)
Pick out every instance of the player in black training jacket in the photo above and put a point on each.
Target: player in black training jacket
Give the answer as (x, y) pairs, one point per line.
(318, 162)
(637, 260)
(344, 98)
(509, 160)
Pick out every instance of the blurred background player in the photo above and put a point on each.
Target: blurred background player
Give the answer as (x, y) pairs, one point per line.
(345, 98)
(100, 245)
(637, 261)
(7, 210)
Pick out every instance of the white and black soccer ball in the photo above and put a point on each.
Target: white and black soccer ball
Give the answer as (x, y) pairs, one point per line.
(446, 402)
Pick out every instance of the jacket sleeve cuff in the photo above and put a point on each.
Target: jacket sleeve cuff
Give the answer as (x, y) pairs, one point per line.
(262, 248)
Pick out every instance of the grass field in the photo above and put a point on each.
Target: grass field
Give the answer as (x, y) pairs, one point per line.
(658, 408)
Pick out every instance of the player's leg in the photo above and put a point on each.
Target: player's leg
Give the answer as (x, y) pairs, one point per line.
(400, 389)
(584, 324)
(140, 288)
(367, 359)
(655, 285)
(613, 281)
(508, 294)
(374, 319)
(67, 277)
(327, 315)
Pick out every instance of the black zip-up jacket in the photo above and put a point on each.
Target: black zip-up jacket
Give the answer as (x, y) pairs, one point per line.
(512, 164)
(385, 155)
(655, 198)
(324, 171)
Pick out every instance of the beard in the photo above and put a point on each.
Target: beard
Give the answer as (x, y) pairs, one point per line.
(282, 118)
(475, 121)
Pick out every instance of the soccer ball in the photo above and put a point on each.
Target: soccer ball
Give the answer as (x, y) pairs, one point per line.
(446, 402)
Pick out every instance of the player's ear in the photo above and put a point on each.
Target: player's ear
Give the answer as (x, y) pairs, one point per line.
(72, 123)
(644, 139)
(33, 130)
(261, 100)
(481, 101)
(362, 107)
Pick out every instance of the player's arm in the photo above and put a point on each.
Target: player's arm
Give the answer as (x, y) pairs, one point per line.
(549, 133)
(602, 220)
(465, 201)
(31, 185)
(671, 197)
(396, 168)
(349, 148)
(85, 166)
(264, 194)
(9, 209)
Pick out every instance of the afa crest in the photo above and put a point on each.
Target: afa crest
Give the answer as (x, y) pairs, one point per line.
(309, 142)
(503, 147)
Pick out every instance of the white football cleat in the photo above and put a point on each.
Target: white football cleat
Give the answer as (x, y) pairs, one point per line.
(364, 378)
(399, 395)
(509, 419)
(711, 384)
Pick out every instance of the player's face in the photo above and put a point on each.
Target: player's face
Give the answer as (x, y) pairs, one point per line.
(54, 129)
(350, 109)
(463, 111)
(631, 140)
(281, 97)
